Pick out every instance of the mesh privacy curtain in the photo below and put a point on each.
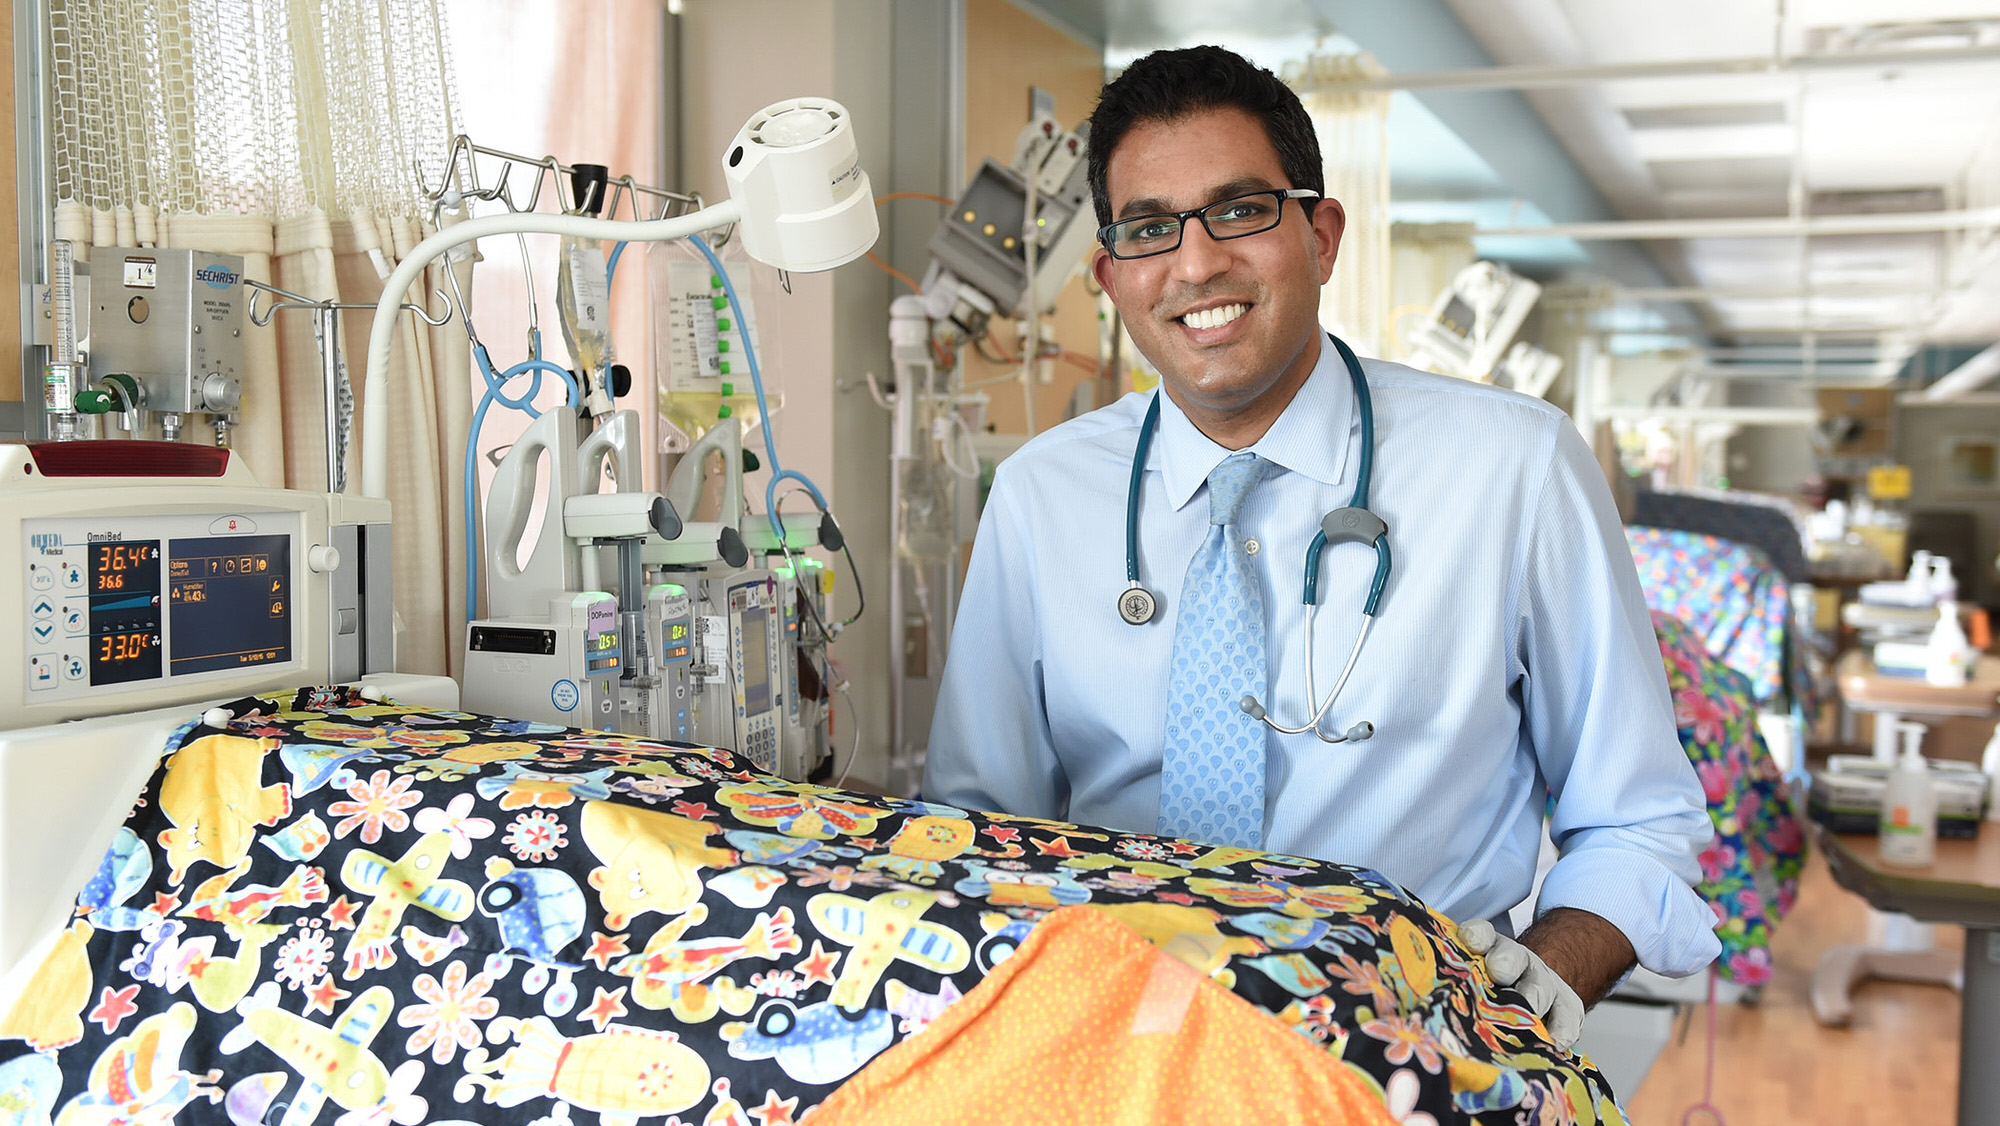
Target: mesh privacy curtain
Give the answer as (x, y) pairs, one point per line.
(296, 134)
(1353, 128)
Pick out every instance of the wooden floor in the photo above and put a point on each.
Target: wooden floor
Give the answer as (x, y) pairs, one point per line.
(1896, 1063)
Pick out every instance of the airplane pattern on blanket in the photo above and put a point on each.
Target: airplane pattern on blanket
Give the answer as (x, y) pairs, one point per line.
(338, 910)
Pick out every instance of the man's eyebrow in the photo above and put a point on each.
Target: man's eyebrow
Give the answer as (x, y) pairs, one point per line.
(1154, 205)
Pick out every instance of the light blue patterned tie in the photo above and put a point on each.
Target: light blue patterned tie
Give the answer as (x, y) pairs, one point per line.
(1212, 776)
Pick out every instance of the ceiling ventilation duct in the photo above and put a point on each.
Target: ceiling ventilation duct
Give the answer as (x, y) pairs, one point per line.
(1921, 35)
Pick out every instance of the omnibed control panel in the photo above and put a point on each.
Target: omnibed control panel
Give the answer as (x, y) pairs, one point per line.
(156, 599)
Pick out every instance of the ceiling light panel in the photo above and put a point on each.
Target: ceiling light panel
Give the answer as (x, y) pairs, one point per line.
(1732, 173)
(1827, 13)
(1767, 201)
(1704, 116)
(1713, 142)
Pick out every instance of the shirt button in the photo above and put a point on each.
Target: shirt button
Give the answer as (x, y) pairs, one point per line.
(1252, 547)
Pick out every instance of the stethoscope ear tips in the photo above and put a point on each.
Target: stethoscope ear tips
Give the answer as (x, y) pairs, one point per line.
(1355, 734)
(1252, 708)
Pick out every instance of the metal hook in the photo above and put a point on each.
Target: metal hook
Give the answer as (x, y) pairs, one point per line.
(299, 301)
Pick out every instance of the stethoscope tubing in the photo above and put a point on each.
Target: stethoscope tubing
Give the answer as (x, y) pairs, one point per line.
(1138, 606)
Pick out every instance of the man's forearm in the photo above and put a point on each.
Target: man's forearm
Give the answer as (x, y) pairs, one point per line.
(1583, 949)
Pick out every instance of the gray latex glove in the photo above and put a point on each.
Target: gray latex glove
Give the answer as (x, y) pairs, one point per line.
(1513, 964)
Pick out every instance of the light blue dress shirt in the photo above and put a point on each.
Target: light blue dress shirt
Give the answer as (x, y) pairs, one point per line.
(1512, 656)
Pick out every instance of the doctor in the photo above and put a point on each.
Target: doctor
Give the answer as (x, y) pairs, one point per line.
(1508, 656)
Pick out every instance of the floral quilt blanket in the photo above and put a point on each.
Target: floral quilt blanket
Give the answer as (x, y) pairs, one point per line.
(1750, 870)
(1734, 601)
(337, 910)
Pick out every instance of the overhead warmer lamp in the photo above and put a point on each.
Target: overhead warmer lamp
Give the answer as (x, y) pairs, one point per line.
(797, 192)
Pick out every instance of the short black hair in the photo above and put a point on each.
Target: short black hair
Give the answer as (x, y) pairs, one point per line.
(1170, 85)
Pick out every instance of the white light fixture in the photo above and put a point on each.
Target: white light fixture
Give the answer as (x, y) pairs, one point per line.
(795, 171)
(796, 187)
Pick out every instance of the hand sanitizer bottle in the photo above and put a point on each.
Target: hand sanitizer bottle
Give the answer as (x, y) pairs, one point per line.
(1990, 763)
(1909, 807)
(1945, 663)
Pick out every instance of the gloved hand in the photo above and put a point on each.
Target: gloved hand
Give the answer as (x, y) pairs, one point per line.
(1511, 963)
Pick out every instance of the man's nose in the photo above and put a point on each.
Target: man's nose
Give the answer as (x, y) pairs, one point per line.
(1199, 256)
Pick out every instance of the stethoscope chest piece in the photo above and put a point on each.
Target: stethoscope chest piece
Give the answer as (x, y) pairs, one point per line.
(1137, 605)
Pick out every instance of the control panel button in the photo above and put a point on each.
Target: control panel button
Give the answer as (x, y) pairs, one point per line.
(72, 667)
(40, 577)
(322, 558)
(43, 631)
(72, 576)
(42, 671)
(43, 608)
(72, 620)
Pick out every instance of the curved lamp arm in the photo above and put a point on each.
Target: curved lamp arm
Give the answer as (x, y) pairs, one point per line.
(381, 334)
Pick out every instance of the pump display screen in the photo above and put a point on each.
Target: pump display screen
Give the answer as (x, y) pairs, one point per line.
(756, 663)
(231, 602)
(124, 607)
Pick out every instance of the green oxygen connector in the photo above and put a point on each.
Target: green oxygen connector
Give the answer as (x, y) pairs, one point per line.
(115, 392)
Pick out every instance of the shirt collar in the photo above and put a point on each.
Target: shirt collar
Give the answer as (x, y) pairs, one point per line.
(1310, 437)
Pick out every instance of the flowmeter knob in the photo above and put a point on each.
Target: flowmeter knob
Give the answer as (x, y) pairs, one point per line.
(220, 393)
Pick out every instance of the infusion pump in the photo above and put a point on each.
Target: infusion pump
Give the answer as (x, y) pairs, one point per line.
(739, 636)
(714, 663)
(147, 574)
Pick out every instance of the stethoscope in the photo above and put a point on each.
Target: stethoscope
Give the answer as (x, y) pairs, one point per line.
(1352, 524)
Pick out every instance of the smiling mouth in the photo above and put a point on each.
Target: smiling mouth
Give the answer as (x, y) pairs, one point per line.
(1214, 318)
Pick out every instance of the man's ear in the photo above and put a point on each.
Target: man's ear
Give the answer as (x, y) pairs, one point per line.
(1329, 220)
(1101, 268)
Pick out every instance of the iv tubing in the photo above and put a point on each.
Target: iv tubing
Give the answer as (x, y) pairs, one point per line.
(496, 382)
(381, 333)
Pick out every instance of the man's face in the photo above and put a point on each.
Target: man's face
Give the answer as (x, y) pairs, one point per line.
(1259, 357)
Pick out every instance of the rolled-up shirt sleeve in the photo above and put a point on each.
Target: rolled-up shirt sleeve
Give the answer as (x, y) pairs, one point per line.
(990, 745)
(1629, 819)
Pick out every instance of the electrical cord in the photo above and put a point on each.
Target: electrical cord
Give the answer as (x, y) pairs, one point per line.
(854, 720)
(860, 594)
(1707, 1104)
(883, 264)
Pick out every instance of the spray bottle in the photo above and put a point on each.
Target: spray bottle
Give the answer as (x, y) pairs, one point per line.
(1945, 657)
(583, 294)
(1990, 763)
(1944, 584)
(1909, 807)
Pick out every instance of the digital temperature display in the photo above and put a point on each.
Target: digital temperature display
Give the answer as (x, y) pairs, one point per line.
(124, 577)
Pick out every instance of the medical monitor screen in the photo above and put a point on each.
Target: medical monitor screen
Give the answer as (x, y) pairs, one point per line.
(756, 662)
(231, 602)
(124, 584)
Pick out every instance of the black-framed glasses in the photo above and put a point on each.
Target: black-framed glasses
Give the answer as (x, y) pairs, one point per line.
(1251, 213)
